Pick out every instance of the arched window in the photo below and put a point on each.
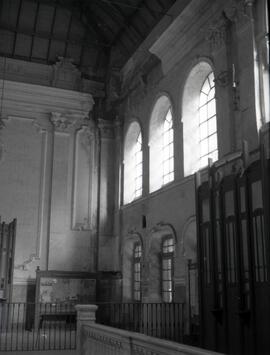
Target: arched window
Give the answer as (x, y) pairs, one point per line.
(137, 256)
(161, 144)
(133, 159)
(199, 119)
(167, 149)
(138, 166)
(208, 121)
(167, 258)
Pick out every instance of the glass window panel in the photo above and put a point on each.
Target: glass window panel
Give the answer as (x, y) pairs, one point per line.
(211, 107)
(139, 170)
(138, 183)
(166, 179)
(214, 155)
(206, 87)
(171, 176)
(166, 152)
(166, 126)
(169, 117)
(171, 164)
(204, 147)
(203, 113)
(166, 138)
(138, 157)
(211, 79)
(203, 130)
(212, 142)
(212, 125)
(211, 94)
(166, 167)
(203, 98)
(204, 161)
(170, 134)
(171, 150)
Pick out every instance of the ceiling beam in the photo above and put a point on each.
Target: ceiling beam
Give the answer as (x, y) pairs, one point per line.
(77, 14)
(34, 30)
(55, 37)
(16, 27)
(117, 9)
(124, 24)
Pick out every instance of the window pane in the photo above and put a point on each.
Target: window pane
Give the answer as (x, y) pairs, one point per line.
(212, 142)
(170, 139)
(204, 147)
(203, 130)
(166, 167)
(171, 164)
(214, 155)
(203, 98)
(138, 157)
(212, 125)
(166, 152)
(205, 87)
(211, 79)
(203, 113)
(204, 161)
(211, 107)
(211, 94)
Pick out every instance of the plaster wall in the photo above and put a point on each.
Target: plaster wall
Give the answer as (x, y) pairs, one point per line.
(220, 33)
(39, 154)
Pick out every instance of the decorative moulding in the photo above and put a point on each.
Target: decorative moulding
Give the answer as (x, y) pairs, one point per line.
(35, 101)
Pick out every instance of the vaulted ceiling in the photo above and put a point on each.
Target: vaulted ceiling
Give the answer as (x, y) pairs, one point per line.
(96, 34)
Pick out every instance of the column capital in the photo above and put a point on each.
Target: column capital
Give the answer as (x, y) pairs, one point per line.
(106, 128)
(67, 122)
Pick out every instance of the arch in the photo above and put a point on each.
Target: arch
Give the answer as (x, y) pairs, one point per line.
(190, 115)
(161, 143)
(133, 156)
(127, 263)
(189, 237)
(153, 266)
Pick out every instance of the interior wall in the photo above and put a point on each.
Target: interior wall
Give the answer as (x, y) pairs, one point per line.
(41, 160)
(219, 33)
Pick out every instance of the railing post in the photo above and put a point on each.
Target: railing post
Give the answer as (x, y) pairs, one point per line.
(86, 314)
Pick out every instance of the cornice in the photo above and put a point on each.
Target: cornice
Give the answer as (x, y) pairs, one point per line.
(36, 101)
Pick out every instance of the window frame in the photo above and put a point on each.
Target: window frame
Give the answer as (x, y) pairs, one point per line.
(137, 260)
(168, 145)
(205, 121)
(137, 195)
(169, 255)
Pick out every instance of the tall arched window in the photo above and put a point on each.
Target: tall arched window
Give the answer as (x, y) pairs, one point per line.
(133, 159)
(167, 149)
(199, 118)
(138, 166)
(167, 259)
(161, 144)
(208, 121)
(137, 256)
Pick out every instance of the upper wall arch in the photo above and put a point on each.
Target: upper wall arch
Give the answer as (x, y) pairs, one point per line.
(190, 115)
(161, 103)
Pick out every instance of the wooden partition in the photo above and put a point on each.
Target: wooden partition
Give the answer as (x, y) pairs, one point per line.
(7, 250)
(233, 252)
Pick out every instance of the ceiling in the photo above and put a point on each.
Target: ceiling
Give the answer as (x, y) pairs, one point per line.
(96, 34)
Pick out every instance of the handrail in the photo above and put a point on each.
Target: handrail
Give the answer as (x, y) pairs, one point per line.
(99, 339)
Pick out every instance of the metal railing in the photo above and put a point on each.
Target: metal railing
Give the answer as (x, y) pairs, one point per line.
(161, 320)
(43, 326)
(52, 326)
